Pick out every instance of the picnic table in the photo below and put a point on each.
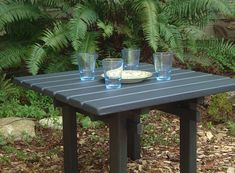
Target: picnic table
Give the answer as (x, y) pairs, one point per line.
(121, 109)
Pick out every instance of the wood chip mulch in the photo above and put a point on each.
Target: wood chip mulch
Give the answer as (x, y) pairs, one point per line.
(160, 154)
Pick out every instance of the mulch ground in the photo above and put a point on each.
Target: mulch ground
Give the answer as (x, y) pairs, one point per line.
(160, 149)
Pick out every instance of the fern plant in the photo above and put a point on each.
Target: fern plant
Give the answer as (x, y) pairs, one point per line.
(6, 88)
(22, 22)
(221, 51)
(55, 30)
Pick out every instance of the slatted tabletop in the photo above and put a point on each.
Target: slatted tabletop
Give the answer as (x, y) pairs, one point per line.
(92, 96)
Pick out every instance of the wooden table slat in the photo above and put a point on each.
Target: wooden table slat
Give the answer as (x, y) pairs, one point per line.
(155, 97)
(50, 88)
(61, 75)
(92, 95)
(63, 80)
(95, 91)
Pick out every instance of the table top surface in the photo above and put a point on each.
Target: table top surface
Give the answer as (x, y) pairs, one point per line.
(93, 97)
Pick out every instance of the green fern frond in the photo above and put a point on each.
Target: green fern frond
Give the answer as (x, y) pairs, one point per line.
(195, 33)
(107, 28)
(193, 12)
(5, 83)
(48, 3)
(172, 38)
(74, 58)
(147, 11)
(16, 11)
(221, 6)
(52, 3)
(58, 64)
(57, 38)
(82, 18)
(220, 50)
(37, 55)
(6, 88)
(89, 44)
(191, 35)
(12, 56)
(78, 31)
(219, 45)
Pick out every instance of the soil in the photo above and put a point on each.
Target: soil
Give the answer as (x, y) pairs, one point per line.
(159, 154)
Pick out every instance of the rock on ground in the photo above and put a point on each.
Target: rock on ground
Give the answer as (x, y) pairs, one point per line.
(52, 122)
(17, 127)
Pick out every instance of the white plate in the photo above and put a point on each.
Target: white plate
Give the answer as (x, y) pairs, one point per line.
(133, 76)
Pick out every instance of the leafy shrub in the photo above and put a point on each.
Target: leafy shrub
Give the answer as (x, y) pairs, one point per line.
(19, 102)
(220, 110)
(6, 88)
(85, 122)
(37, 99)
(231, 128)
(220, 51)
(51, 32)
(15, 109)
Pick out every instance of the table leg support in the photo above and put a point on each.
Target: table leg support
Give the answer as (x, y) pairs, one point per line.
(70, 140)
(133, 137)
(118, 144)
(188, 135)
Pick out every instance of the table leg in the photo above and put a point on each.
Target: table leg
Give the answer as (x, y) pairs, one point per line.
(118, 143)
(70, 140)
(188, 135)
(133, 137)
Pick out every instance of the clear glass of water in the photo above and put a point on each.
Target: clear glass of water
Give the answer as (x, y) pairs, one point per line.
(113, 68)
(131, 58)
(163, 65)
(86, 65)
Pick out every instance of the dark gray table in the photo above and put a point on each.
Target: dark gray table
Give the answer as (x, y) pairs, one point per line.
(121, 109)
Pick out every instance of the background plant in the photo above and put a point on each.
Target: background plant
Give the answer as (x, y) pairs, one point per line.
(45, 35)
(18, 102)
(220, 109)
(6, 88)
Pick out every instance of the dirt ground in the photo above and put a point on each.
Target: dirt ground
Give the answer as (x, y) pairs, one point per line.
(160, 149)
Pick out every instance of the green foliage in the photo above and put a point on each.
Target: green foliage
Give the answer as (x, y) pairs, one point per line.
(20, 155)
(221, 51)
(89, 42)
(2, 140)
(37, 99)
(83, 16)
(11, 11)
(197, 12)
(47, 29)
(12, 56)
(6, 88)
(209, 125)
(162, 125)
(60, 63)
(220, 109)
(4, 159)
(15, 109)
(107, 28)
(37, 56)
(57, 38)
(15, 101)
(86, 122)
(231, 128)
(148, 14)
